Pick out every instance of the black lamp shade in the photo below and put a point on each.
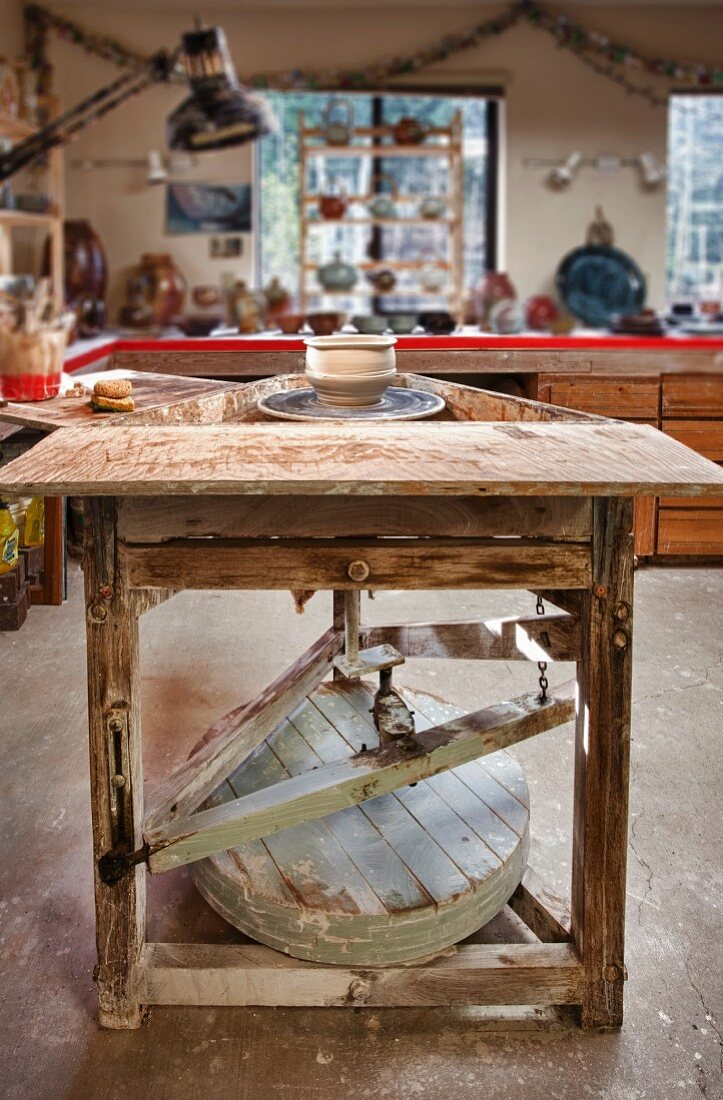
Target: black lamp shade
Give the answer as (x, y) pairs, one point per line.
(219, 112)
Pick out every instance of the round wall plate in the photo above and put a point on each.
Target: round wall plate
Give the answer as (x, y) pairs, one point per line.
(596, 283)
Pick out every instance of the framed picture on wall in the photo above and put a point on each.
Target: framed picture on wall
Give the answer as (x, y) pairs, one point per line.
(225, 248)
(208, 208)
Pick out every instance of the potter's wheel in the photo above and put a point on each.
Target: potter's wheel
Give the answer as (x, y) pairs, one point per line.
(397, 403)
(399, 877)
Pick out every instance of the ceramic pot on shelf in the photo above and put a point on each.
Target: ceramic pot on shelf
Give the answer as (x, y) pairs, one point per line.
(433, 206)
(336, 131)
(278, 298)
(336, 275)
(541, 312)
(334, 204)
(507, 317)
(493, 287)
(410, 131)
(247, 308)
(432, 277)
(85, 266)
(382, 279)
(383, 206)
(165, 286)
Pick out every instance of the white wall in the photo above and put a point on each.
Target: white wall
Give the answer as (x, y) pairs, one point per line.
(554, 105)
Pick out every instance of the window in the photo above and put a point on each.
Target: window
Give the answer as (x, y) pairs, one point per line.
(695, 197)
(278, 167)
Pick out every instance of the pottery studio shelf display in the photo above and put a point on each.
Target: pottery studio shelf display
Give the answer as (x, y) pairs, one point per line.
(331, 215)
(40, 209)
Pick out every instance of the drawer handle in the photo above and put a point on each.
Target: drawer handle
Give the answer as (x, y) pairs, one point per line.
(358, 570)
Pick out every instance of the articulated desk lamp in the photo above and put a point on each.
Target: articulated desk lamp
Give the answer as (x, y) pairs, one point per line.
(219, 112)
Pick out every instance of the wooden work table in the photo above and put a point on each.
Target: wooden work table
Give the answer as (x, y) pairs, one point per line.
(495, 492)
(159, 399)
(672, 383)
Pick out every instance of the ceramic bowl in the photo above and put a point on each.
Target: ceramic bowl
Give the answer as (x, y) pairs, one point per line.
(350, 370)
(290, 323)
(438, 322)
(370, 324)
(323, 324)
(402, 322)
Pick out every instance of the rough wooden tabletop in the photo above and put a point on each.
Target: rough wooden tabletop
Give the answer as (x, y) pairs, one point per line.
(159, 398)
(446, 458)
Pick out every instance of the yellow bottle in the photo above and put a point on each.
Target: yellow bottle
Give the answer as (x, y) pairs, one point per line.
(34, 533)
(9, 540)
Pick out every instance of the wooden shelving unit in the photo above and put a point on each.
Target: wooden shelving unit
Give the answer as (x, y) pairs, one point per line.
(16, 130)
(50, 587)
(376, 142)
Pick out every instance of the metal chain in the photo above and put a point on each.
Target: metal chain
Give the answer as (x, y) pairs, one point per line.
(542, 665)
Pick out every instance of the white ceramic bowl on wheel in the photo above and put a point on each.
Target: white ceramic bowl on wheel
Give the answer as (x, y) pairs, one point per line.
(350, 370)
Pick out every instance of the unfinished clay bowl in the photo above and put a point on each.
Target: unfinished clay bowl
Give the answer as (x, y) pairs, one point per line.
(350, 370)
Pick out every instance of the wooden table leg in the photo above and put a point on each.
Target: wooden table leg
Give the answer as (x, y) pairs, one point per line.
(115, 764)
(602, 757)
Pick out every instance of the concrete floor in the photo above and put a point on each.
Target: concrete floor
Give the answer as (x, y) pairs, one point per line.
(51, 1047)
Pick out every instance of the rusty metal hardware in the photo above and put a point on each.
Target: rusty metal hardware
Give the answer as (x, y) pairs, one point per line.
(358, 570)
(542, 665)
(116, 864)
(392, 717)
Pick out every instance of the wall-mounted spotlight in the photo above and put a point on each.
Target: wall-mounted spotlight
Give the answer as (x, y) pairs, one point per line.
(652, 172)
(156, 168)
(561, 172)
(561, 175)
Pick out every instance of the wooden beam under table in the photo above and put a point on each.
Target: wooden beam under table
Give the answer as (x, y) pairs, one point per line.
(533, 638)
(602, 765)
(393, 563)
(544, 913)
(366, 775)
(161, 519)
(476, 974)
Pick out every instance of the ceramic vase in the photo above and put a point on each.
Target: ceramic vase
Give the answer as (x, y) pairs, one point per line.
(494, 287)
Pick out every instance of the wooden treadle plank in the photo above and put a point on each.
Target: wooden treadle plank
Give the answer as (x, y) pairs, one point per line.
(230, 741)
(231, 975)
(315, 846)
(334, 786)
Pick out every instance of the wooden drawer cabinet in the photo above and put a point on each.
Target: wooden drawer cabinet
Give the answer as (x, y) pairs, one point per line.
(621, 398)
(687, 407)
(699, 396)
(636, 399)
(693, 414)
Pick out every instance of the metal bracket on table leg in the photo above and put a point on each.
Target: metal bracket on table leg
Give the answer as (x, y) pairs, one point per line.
(116, 863)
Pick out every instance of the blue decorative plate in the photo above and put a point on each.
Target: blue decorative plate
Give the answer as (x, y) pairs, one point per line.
(596, 283)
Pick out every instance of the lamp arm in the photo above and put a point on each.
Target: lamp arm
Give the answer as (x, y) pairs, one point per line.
(64, 128)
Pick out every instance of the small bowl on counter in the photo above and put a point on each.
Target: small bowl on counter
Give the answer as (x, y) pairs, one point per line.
(401, 323)
(370, 324)
(290, 323)
(350, 370)
(324, 324)
(437, 322)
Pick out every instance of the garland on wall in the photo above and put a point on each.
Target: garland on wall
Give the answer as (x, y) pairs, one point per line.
(603, 54)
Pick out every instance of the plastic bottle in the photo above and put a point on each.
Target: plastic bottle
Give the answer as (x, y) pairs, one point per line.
(9, 540)
(34, 532)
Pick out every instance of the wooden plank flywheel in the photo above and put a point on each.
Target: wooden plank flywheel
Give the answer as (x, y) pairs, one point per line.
(396, 878)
